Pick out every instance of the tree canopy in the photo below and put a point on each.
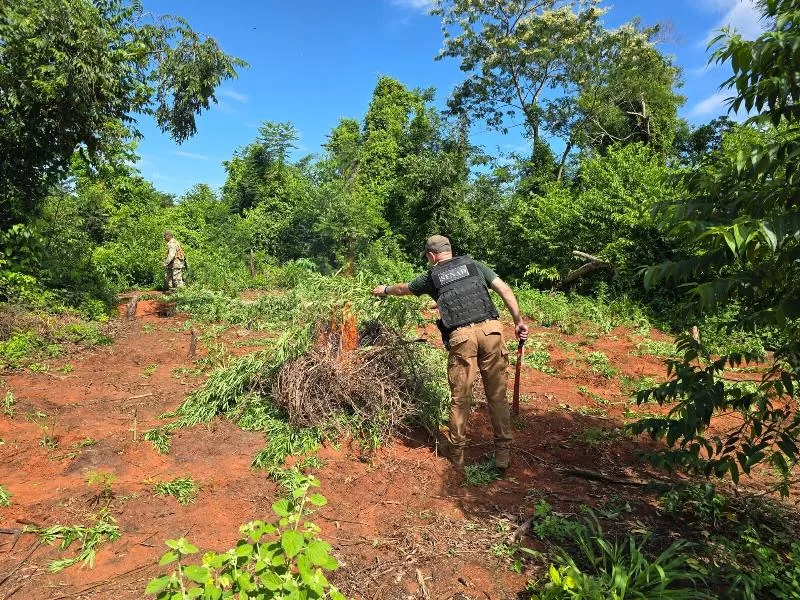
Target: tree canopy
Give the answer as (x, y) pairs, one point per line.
(74, 74)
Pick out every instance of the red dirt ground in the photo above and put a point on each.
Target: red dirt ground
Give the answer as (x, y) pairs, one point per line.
(393, 518)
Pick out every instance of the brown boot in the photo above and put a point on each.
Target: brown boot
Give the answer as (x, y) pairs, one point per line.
(502, 458)
(443, 445)
(457, 458)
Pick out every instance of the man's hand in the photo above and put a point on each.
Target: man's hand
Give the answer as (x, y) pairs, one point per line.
(379, 291)
(521, 331)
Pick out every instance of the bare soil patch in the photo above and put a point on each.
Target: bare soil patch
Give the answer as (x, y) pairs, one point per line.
(389, 516)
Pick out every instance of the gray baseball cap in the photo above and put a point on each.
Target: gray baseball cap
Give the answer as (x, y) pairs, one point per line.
(436, 244)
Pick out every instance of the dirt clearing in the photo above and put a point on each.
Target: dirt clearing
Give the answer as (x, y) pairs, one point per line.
(399, 521)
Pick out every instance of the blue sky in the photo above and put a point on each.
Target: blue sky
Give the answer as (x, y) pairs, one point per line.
(313, 62)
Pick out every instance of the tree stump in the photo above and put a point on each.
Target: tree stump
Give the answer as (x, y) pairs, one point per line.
(132, 308)
(192, 343)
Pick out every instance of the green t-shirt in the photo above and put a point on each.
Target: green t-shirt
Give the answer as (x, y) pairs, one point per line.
(424, 284)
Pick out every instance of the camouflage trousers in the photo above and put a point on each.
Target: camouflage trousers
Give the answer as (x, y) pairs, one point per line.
(173, 278)
(473, 348)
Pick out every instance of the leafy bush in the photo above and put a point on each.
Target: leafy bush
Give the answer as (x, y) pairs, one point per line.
(286, 559)
(23, 345)
(702, 502)
(748, 544)
(601, 365)
(569, 312)
(551, 527)
(291, 273)
(752, 568)
(84, 333)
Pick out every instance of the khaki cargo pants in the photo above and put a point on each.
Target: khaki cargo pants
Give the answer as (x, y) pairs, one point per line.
(475, 347)
(173, 275)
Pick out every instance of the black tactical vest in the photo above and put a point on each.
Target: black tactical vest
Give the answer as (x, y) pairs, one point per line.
(461, 293)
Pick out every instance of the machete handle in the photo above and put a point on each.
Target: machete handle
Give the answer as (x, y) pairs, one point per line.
(515, 398)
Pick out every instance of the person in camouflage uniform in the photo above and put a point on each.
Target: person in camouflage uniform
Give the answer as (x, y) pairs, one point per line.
(472, 332)
(174, 263)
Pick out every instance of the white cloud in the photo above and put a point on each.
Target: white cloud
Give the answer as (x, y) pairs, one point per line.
(421, 5)
(233, 95)
(191, 155)
(713, 105)
(741, 15)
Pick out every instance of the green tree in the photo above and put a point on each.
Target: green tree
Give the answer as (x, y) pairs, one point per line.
(554, 65)
(625, 93)
(72, 71)
(740, 213)
(693, 145)
(520, 55)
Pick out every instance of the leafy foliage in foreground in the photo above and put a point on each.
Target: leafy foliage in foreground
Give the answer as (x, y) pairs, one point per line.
(696, 391)
(618, 568)
(747, 545)
(285, 559)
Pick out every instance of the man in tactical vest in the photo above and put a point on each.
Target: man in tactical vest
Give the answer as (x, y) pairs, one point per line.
(473, 336)
(173, 263)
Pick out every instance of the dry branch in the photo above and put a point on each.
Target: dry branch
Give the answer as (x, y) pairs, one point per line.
(581, 272)
(598, 476)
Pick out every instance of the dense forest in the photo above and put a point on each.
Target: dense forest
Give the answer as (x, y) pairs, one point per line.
(681, 226)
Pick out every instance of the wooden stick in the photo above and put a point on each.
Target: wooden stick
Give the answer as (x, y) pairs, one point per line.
(15, 590)
(585, 269)
(99, 583)
(20, 563)
(422, 587)
(141, 396)
(522, 529)
(597, 476)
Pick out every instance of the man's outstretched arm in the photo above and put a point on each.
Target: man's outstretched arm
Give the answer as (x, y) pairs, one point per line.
(397, 289)
(510, 300)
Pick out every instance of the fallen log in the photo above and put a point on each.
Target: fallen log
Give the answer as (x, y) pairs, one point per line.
(581, 272)
(589, 257)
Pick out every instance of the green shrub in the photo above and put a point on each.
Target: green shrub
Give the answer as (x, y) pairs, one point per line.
(619, 568)
(284, 559)
(702, 502)
(84, 333)
(482, 473)
(23, 345)
(600, 364)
